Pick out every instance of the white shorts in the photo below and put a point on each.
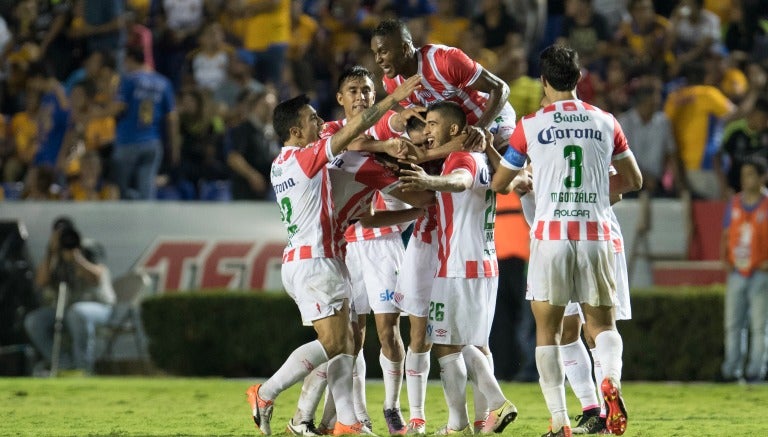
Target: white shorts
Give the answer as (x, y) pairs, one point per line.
(461, 310)
(373, 269)
(417, 274)
(623, 306)
(317, 285)
(503, 126)
(562, 271)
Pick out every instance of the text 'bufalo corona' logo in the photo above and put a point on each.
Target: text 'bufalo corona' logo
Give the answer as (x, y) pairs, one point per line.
(185, 264)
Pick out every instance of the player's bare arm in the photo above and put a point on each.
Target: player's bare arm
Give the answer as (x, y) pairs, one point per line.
(399, 121)
(418, 180)
(394, 147)
(498, 92)
(359, 123)
(389, 218)
(628, 177)
(418, 155)
(418, 199)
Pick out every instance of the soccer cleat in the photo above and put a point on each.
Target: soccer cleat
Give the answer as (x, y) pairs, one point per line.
(306, 428)
(262, 409)
(395, 422)
(590, 423)
(499, 418)
(367, 422)
(325, 429)
(416, 427)
(355, 429)
(565, 431)
(478, 426)
(616, 417)
(447, 430)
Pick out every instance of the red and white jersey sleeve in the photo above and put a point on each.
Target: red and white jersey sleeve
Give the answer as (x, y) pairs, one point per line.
(381, 202)
(300, 179)
(355, 178)
(571, 145)
(447, 74)
(425, 227)
(381, 131)
(465, 231)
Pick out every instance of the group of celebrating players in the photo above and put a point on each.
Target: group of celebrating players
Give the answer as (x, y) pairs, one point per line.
(347, 189)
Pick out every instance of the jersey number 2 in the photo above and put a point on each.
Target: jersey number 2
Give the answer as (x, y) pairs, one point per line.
(574, 156)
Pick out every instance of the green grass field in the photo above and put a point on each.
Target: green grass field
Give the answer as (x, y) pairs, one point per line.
(207, 407)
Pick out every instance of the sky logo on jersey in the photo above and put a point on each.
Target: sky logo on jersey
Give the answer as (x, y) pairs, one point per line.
(387, 295)
(551, 134)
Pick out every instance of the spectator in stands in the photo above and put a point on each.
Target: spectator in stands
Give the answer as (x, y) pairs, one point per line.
(54, 106)
(253, 147)
(306, 38)
(239, 79)
(525, 92)
(85, 181)
(90, 295)
(40, 184)
(745, 255)
(743, 138)
(645, 37)
(209, 62)
(177, 24)
(613, 11)
(496, 23)
(697, 112)
(26, 127)
(101, 25)
(445, 26)
(649, 131)
(146, 113)
(744, 28)
(202, 155)
(695, 32)
(586, 31)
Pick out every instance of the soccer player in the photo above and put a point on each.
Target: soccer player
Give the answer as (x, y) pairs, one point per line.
(355, 178)
(464, 289)
(312, 272)
(571, 143)
(447, 74)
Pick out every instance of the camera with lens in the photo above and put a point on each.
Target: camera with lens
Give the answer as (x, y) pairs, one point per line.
(69, 238)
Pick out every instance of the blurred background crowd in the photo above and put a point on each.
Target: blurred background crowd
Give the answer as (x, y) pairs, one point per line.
(686, 78)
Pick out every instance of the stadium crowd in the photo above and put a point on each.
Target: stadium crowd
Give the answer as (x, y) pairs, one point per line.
(687, 77)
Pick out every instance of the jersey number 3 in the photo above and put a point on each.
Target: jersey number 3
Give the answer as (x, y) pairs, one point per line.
(574, 156)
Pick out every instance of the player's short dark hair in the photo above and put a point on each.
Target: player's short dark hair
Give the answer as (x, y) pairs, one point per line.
(758, 163)
(451, 111)
(287, 115)
(356, 72)
(393, 27)
(414, 124)
(560, 67)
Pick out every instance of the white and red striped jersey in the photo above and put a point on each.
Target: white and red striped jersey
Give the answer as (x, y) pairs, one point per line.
(571, 145)
(447, 74)
(425, 227)
(465, 230)
(617, 240)
(355, 178)
(381, 131)
(381, 202)
(302, 185)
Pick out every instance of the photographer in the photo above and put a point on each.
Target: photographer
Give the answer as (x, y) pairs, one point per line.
(88, 301)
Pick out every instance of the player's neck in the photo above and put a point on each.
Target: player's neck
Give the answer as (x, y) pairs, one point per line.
(559, 96)
(410, 66)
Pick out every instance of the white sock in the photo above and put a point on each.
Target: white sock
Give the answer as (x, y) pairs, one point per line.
(416, 375)
(340, 384)
(453, 374)
(483, 382)
(358, 388)
(329, 410)
(578, 370)
(298, 365)
(552, 382)
(609, 349)
(392, 372)
(599, 378)
(311, 392)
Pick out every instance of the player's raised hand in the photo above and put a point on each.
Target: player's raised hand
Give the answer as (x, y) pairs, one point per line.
(413, 154)
(397, 147)
(475, 139)
(415, 179)
(416, 111)
(523, 183)
(406, 88)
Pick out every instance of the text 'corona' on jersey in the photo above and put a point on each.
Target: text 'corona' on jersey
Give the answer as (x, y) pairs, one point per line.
(282, 186)
(550, 134)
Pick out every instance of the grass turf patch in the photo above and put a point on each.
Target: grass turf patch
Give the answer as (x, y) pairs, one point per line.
(214, 406)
